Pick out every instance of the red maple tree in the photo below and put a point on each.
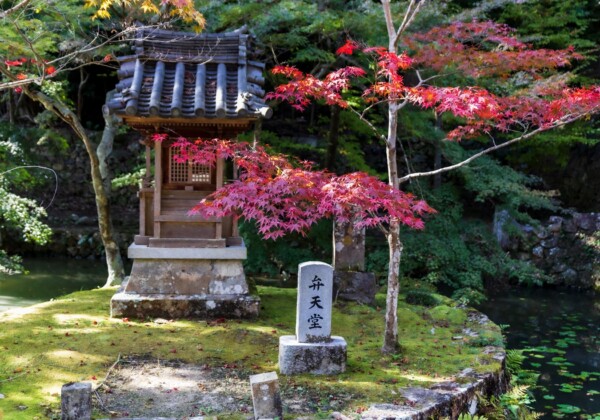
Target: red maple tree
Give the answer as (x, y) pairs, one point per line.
(286, 197)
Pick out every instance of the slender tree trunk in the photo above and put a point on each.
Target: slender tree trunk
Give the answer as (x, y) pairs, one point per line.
(83, 78)
(390, 337)
(116, 271)
(114, 262)
(334, 136)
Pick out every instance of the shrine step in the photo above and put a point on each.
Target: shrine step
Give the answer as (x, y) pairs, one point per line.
(185, 218)
(186, 243)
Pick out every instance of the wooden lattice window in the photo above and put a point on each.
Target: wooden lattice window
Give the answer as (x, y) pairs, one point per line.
(187, 172)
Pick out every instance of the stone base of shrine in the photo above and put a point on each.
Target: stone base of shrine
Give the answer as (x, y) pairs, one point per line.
(185, 283)
(316, 358)
(143, 306)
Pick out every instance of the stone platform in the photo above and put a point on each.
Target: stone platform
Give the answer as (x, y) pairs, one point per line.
(185, 283)
(317, 358)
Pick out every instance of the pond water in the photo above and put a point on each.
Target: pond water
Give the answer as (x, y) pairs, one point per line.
(49, 278)
(560, 335)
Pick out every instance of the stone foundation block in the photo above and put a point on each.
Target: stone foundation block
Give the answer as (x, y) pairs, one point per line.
(355, 286)
(142, 306)
(316, 358)
(76, 401)
(266, 397)
(187, 277)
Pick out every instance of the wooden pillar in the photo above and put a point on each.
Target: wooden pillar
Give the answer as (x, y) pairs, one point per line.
(234, 221)
(147, 181)
(219, 184)
(158, 171)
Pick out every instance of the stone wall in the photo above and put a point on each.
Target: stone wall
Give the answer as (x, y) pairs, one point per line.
(567, 248)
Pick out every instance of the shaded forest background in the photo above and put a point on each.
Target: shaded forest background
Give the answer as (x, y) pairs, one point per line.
(554, 173)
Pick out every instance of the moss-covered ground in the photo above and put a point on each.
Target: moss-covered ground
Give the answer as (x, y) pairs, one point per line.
(74, 339)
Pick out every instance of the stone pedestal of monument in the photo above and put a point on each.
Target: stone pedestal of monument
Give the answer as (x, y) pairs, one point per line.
(185, 283)
(313, 349)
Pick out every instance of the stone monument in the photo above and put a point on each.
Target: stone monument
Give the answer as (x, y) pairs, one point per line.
(313, 349)
(350, 280)
(76, 401)
(266, 398)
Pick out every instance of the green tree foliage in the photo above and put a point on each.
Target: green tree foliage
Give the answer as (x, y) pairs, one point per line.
(17, 213)
(279, 259)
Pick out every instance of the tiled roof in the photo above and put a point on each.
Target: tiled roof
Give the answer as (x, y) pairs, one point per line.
(190, 76)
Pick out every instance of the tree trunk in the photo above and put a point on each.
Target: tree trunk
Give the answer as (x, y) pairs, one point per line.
(83, 78)
(116, 271)
(114, 262)
(390, 336)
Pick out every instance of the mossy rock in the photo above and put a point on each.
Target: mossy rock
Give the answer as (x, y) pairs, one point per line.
(444, 313)
(421, 297)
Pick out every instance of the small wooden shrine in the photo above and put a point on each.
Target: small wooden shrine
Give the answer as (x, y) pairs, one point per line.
(197, 86)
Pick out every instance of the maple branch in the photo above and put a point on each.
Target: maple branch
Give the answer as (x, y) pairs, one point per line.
(368, 123)
(13, 9)
(490, 150)
(408, 19)
(33, 50)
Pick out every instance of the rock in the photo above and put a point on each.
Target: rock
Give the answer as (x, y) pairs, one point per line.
(355, 286)
(266, 398)
(501, 220)
(585, 221)
(551, 242)
(349, 249)
(569, 276)
(543, 233)
(556, 223)
(527, 229)
(84, 220)
(559, 268)
(315, 358)
(570, 226)
(76, 401)
(555, 252)
(538, 252)
(2, 396)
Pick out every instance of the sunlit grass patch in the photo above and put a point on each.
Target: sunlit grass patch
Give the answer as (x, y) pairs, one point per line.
(74, 339)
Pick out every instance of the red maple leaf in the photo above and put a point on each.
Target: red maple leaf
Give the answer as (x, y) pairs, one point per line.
(348, 48)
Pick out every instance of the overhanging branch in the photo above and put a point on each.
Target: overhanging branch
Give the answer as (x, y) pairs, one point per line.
(490, 150)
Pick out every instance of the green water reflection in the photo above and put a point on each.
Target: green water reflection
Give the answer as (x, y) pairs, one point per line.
(560, 335)
(49, 278)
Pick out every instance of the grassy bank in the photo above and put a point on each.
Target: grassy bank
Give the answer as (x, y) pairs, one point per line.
(74, 339)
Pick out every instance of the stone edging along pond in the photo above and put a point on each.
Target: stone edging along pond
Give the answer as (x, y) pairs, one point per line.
(449, 398)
